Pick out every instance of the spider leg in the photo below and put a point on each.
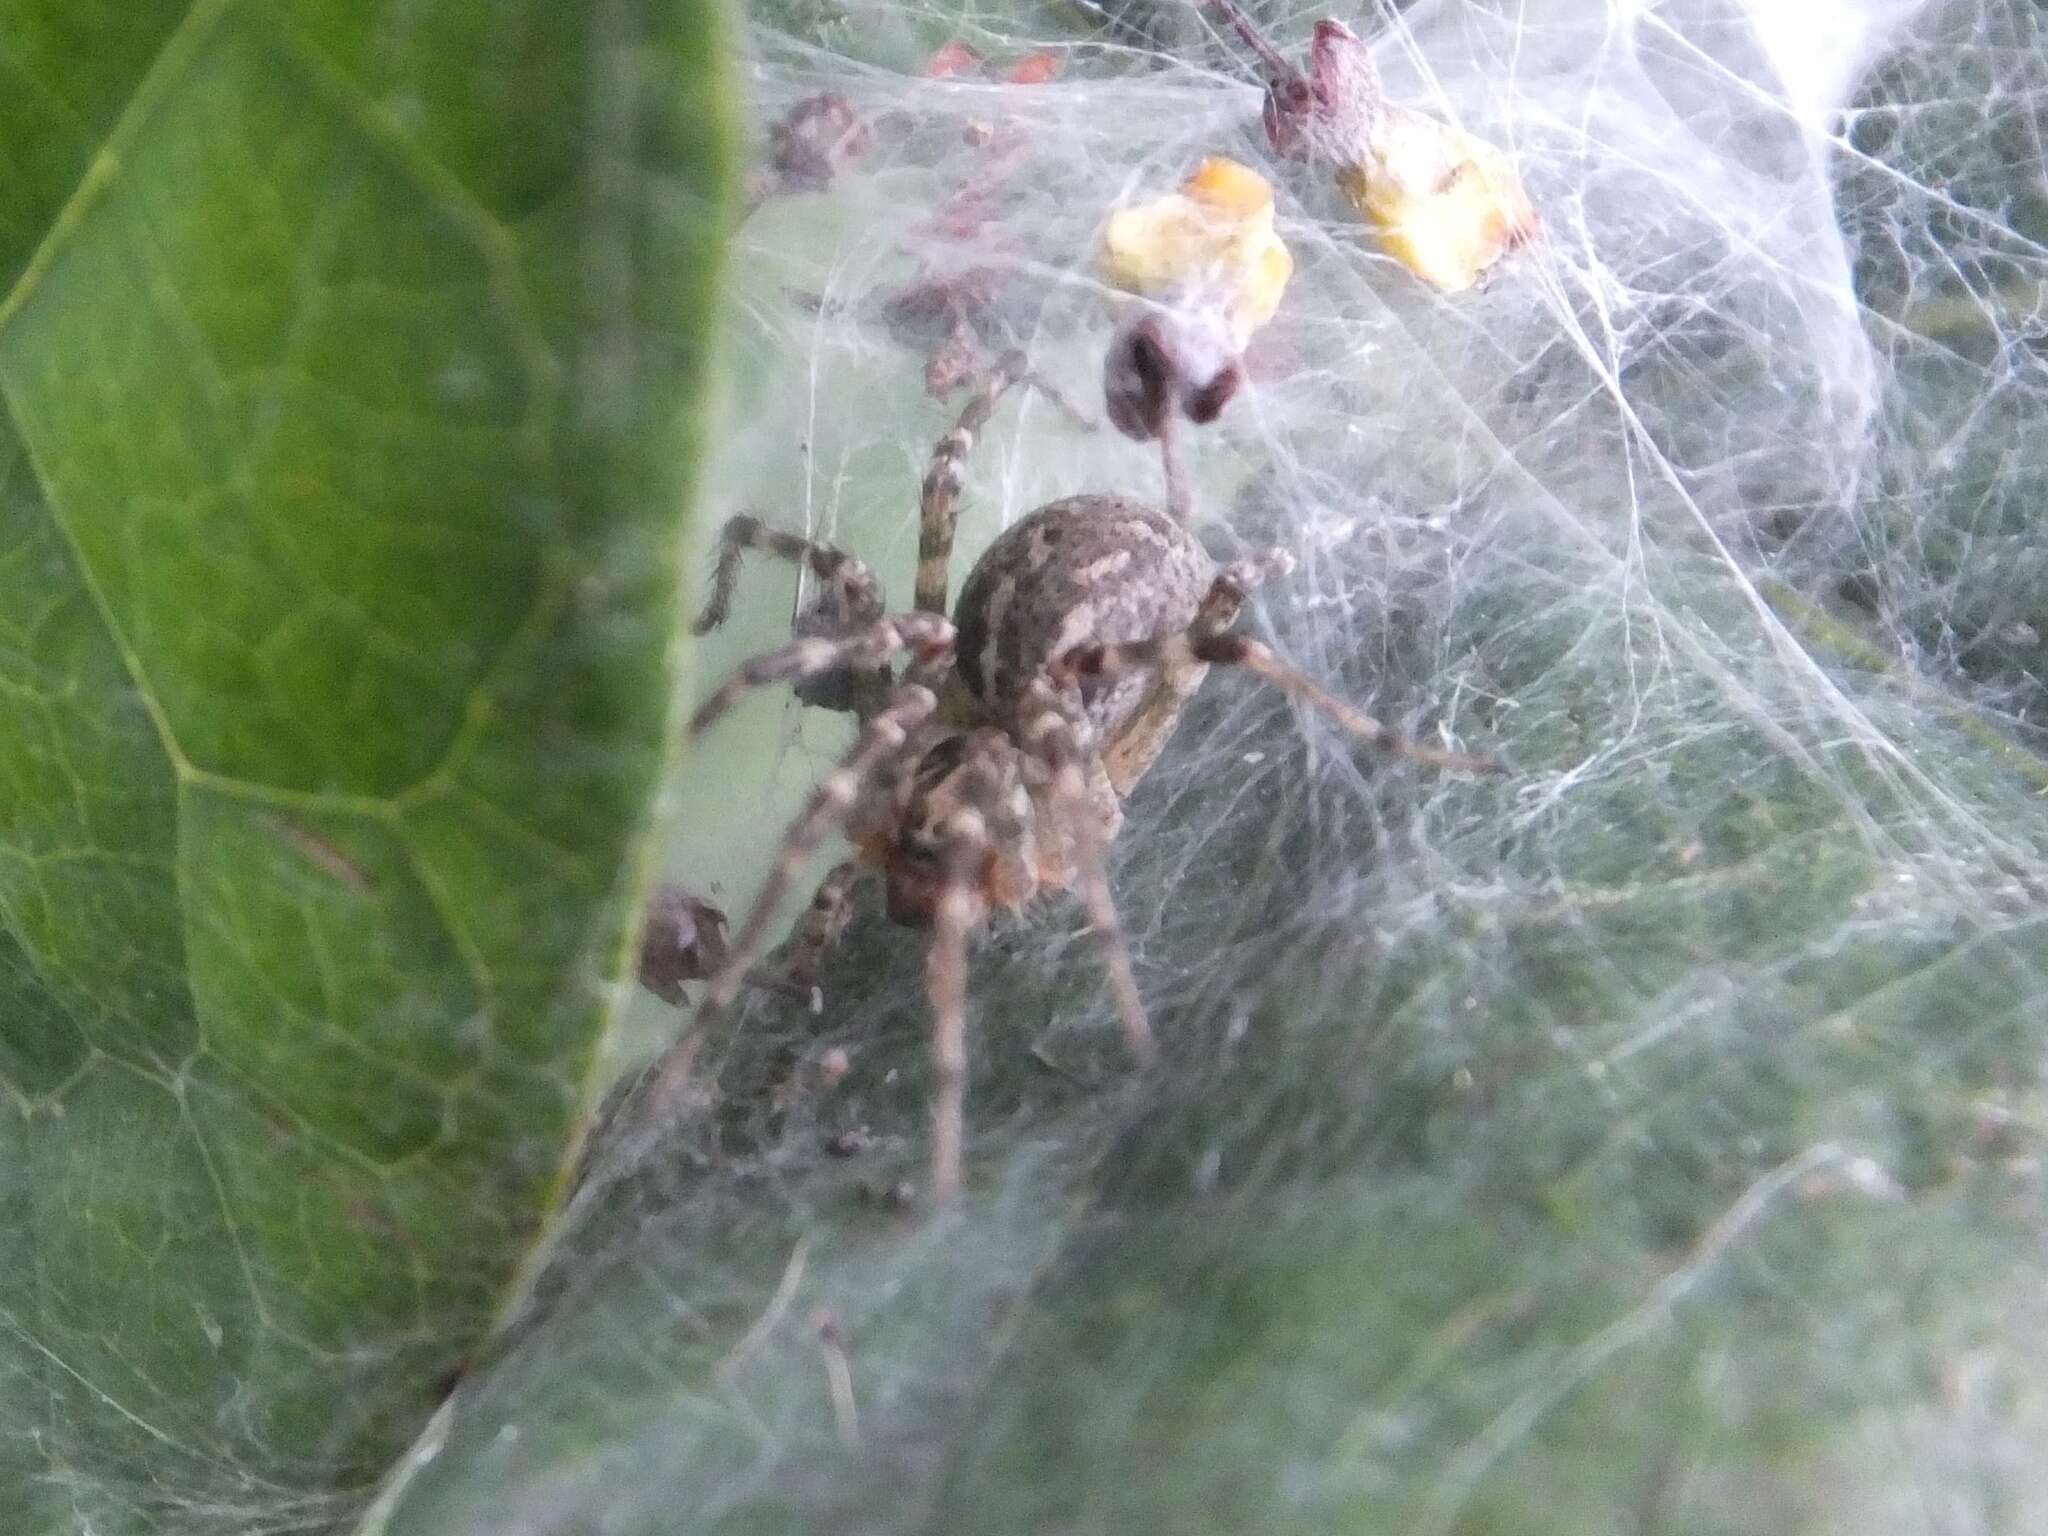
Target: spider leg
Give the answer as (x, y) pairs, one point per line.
(859, 592)
(928, 637)
(881, 738)
(1058, 736)
(824, 812)
(1006, 806)
(848, 598)
(938, 511)
(824, 921)
(953, 917)
(1235, 583)
(1186, 648)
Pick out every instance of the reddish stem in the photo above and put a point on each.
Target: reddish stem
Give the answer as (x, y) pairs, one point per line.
(1277, 64)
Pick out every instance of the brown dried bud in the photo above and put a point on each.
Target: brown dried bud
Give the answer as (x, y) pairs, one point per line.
(683, 941)
(1163, 364)
(814, 142)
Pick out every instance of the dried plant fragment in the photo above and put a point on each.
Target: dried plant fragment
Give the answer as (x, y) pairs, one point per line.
(683, 941)
(811, 147)
(1209, 245)
(1214, 267)
(1445, 204)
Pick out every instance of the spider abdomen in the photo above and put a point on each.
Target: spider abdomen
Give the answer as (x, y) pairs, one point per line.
(1083, 570)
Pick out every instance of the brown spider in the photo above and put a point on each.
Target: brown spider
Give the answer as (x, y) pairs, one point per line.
(993, 769)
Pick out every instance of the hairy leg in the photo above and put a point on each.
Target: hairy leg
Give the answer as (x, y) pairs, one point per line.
(939, 501)
(1128, 758)
(928, 637)
(1186, 648)
(848, 598)
(829, 806)
(1056, 733)
(953, 918)
(824, 921)
(987, 858)
(859, 592)
(827, 809)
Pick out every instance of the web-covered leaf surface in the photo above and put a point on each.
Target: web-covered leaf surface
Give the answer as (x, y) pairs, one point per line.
(349, 357)
(1647, 1141)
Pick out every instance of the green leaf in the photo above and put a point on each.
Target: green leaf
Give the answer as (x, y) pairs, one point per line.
(353, 360)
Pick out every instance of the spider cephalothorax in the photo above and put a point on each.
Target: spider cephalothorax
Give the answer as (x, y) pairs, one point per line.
(993, 767)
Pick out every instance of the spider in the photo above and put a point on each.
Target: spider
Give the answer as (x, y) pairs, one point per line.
(993, 768)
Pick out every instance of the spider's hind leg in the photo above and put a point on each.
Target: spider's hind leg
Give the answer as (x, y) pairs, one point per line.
(1056, 733)
(1144, 735)
(938, 513)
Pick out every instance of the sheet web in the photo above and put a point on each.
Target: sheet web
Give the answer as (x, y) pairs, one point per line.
(1652, 1127)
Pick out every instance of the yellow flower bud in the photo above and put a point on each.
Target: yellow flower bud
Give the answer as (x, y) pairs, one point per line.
(1211, 242)
(1444, 204)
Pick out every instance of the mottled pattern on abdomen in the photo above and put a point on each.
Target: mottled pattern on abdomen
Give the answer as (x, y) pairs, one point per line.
(1089, 569)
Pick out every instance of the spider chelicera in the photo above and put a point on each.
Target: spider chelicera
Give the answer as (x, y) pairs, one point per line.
(993, 768)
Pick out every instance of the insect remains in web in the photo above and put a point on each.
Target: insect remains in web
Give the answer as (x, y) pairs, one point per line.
(995, 748)
(961, 305)
(1209, 269)
(1442, 202)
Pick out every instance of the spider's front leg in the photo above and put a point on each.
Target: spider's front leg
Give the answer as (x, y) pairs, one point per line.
(927, 637)
(986, 856)
(1144, 736)
(835, 799)
(849, 598)
(828, 808)
(1194, 647)
(954, 917)
(859, 593)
